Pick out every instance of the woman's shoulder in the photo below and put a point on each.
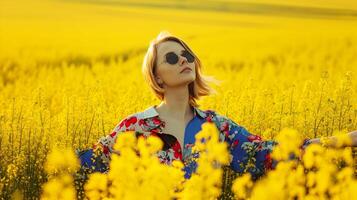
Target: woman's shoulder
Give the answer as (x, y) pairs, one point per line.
(224, 123)
(135, 121)
(220, 118)
(231, 131)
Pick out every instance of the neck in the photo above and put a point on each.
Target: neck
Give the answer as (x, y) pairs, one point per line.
(176, 103)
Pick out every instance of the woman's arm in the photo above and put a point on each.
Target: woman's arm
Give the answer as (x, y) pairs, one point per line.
(98, 156)
(333, 140)
(249, 152)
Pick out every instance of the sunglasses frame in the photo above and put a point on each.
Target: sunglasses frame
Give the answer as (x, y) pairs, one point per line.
(185, 53)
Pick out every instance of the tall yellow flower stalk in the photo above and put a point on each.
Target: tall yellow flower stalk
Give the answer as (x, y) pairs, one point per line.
(322, 173)
(207, 181)
(136, 173)
(60, 165)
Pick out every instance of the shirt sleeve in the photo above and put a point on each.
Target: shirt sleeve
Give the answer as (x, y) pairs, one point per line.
(105, 144)
(98, 157)
(249, 152)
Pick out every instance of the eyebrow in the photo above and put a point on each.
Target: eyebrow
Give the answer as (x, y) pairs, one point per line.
(174, 52)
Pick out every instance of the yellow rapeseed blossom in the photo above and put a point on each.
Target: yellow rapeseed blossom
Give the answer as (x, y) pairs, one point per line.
(312, 156)
(322, 173)
(60, 187)
(60, 165)
(136, 173)
(97, 186)
(289, 142)
(11, 171)
(206, 183)
(242, 186)
(61, 160)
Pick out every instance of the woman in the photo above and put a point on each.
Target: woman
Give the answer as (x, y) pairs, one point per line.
(173, 72)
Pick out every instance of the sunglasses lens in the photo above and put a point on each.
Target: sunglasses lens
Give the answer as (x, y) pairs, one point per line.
(171, 58)
(190, 58)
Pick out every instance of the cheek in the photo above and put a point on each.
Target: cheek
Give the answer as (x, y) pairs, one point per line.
(167, 73)
(193, 66)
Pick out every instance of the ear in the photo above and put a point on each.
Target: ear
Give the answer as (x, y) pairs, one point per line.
(159, 81)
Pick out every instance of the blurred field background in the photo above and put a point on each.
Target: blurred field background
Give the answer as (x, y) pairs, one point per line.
(71, 69)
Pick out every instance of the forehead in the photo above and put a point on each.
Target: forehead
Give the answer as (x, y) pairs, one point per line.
(169, 46)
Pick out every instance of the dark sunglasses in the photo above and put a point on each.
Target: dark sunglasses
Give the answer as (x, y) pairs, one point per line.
(172, 58)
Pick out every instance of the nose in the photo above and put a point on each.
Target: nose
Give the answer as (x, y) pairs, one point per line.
(183, 60)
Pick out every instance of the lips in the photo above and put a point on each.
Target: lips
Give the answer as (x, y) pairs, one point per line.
(186, 68)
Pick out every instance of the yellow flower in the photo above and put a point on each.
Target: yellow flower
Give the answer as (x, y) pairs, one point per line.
(63, 160)
(206, 182)
(289, 142)
(17, 195)
(312, 154)
(11, 171)
(96, 186)
(242, 186)
(125, 140)
(59, 188)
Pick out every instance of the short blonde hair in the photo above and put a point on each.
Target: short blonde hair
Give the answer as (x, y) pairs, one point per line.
(197, 89)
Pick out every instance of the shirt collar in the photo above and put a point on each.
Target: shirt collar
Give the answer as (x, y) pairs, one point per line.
(151, 112)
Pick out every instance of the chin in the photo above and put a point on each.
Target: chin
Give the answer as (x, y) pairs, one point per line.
(190, 78)
(186, 81)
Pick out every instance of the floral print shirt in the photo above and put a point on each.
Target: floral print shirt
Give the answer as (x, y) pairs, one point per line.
(248, 152)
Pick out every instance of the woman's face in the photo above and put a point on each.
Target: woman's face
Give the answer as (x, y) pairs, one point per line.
(173, 75)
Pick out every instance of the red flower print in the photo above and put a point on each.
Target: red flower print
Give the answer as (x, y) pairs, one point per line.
(113, 134)
(268, 161)
(177, 150)
(235, 143)
(105, 150)
(141, 122)
(224, 126)
(209, 118)
(122, 123)
(156, 120)
(260, 146)
(155, 130)
(130, 121)
(254, 138)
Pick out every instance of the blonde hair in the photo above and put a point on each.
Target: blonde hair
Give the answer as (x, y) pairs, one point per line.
(197, 89)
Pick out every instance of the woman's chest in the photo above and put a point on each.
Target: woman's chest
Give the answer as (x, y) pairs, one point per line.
(178, 137)
(177, 141)
(176, 128)
(172, 150)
